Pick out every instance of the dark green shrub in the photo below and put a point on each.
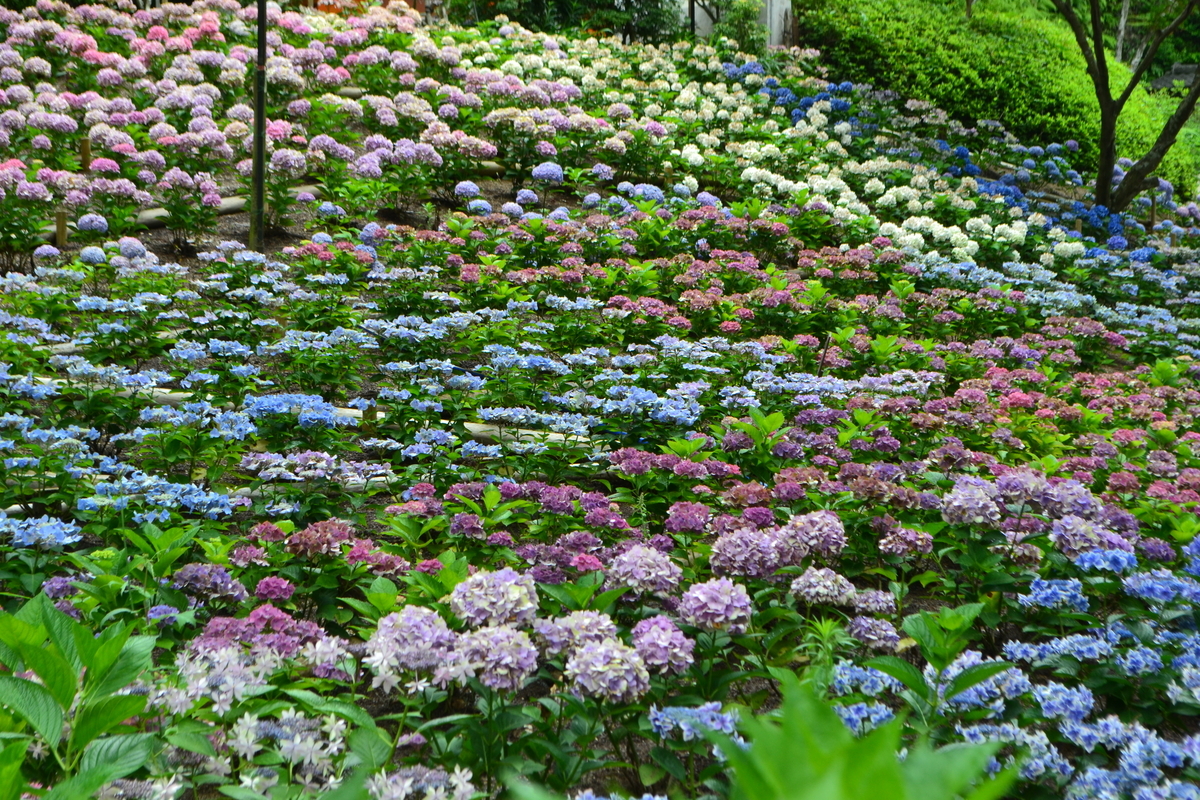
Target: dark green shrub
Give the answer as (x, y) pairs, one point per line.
(1025, 72)
(642, 20)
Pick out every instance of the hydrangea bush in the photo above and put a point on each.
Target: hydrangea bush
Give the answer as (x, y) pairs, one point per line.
(750, 374)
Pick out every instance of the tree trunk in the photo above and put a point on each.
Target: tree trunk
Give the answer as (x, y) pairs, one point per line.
(971, 5)
(1121, 29)
(1138, 178)
(1107, 160)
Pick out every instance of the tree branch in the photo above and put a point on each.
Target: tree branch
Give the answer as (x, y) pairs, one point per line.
(1068, 12)
(1147, 58)
(1098, 39)
(1135, 180)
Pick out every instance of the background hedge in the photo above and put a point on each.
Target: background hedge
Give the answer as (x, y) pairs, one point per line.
(1022, 70)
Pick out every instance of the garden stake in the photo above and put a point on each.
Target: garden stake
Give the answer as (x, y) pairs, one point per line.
(258, 178)
(85, 154)
(60, 228)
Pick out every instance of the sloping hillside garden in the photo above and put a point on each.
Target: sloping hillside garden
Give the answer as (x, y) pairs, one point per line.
(736, 373)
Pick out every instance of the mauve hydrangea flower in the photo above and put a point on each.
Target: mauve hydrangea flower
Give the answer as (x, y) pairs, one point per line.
(248, 554)
(821, 586)
(715, 605)
(745, 553)
(685, 516)
(501, 657)
(662, 645)
(495, 598)
(875, 601)
(608, 670)
(906, 542)
(971, 502)
(877, 634)
(415, 638)
(645, 569)
(548, 172)
(267, 532)
(272, 588)
(818, 532)
(577, 628)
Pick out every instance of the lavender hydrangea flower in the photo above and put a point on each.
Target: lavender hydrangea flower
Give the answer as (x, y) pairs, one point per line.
(662, 645)
(466, 189)
(548, 171)
(1074, 535)
(527, 197)
(92, 223)
(877, 634)
(608, 670)
(573, 630)
(495, 598)
(719, 604)
(818, 532)
(972, 501)
(415, 638)
(92, 255)
(821, 586)
(644, 569)
(479, 206)
(501, 656)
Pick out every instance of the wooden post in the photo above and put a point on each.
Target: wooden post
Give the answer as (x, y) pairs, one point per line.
(1078, 225)
(85, 154)
(60, 229)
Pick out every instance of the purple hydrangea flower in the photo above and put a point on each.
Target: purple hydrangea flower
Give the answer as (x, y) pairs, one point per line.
(466, 189)
(746, 553)
(685, 516)
(608, 670)
(719, 604)
(972, 501)
(501, 656)
(209, 582)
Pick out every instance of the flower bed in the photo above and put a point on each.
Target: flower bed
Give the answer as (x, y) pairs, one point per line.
(739, 374)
